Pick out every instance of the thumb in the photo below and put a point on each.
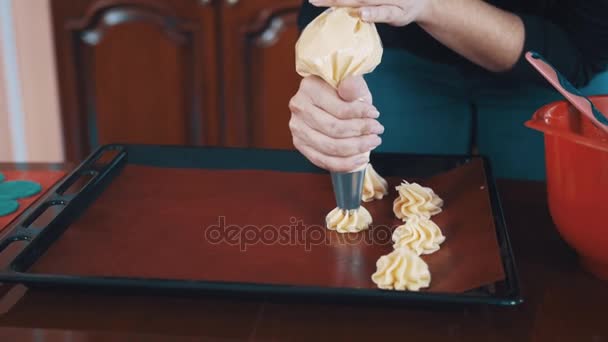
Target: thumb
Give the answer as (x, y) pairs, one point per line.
(354, 88)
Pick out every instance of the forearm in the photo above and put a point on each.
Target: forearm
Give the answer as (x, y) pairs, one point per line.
(484, 34)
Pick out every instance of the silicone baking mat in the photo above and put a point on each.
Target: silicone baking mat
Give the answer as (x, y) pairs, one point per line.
(256, 219)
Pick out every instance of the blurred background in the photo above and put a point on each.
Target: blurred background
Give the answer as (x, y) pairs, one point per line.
(75, 74)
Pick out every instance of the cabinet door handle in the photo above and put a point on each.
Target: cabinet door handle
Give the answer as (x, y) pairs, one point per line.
(271, 34)
(232, 2)
(205, 2)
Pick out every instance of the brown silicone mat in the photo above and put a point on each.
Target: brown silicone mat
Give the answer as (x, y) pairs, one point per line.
(159, 223)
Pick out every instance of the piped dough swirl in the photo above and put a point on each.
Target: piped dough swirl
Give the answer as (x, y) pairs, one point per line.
(419, 234)
(348, 221)
(374, 186)
(401, 270)
(416, 200)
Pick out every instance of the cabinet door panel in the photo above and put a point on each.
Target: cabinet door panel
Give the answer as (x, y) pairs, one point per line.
(136, 72)
(140, 93)
(272, 81)
(259, 71)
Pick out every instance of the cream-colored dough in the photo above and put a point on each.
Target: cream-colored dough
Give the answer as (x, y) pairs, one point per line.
(419, 234)
(348, 221)
(416, 200)
(401, 270)
(338, 44)
(374, 186)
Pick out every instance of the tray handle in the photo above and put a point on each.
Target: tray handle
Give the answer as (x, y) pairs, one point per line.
(4, 244)
(56, 201)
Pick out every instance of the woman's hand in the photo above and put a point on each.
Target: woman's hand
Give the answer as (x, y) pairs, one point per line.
(393, 12)
(334, 129)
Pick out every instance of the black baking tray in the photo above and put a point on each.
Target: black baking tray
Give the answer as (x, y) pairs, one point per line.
(102, 166)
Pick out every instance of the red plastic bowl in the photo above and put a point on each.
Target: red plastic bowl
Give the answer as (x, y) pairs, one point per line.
(576, 155)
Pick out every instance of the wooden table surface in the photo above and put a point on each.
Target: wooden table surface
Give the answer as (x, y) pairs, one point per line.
(562, 303)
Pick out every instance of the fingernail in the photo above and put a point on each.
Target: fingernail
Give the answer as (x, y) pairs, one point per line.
(314, 2)
(377, 128)
(377, 142)
(374, 114)
(364, 13)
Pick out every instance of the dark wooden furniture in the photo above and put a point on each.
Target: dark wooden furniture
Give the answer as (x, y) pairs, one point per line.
(195, 72)
(562, 303)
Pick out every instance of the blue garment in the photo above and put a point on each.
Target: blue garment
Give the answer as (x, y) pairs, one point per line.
(431, 108)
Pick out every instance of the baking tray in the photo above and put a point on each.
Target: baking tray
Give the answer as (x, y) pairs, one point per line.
(137, 217)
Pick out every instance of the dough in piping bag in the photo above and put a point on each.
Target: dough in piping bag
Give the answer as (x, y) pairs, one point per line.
(348, 221)
(415, 199)
(374, 186)
(401, 270)
(336, 45)
(419, 234)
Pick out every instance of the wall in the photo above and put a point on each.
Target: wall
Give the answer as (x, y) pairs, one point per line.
(30, 126)
(5, 138)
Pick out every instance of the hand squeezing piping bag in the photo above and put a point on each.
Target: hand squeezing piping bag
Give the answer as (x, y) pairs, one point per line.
(334, 46)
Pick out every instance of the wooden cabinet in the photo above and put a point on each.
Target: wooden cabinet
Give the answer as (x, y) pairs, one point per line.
(194, 72)
(258, 40)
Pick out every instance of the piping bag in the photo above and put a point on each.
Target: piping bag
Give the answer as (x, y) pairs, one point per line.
(335, 46)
